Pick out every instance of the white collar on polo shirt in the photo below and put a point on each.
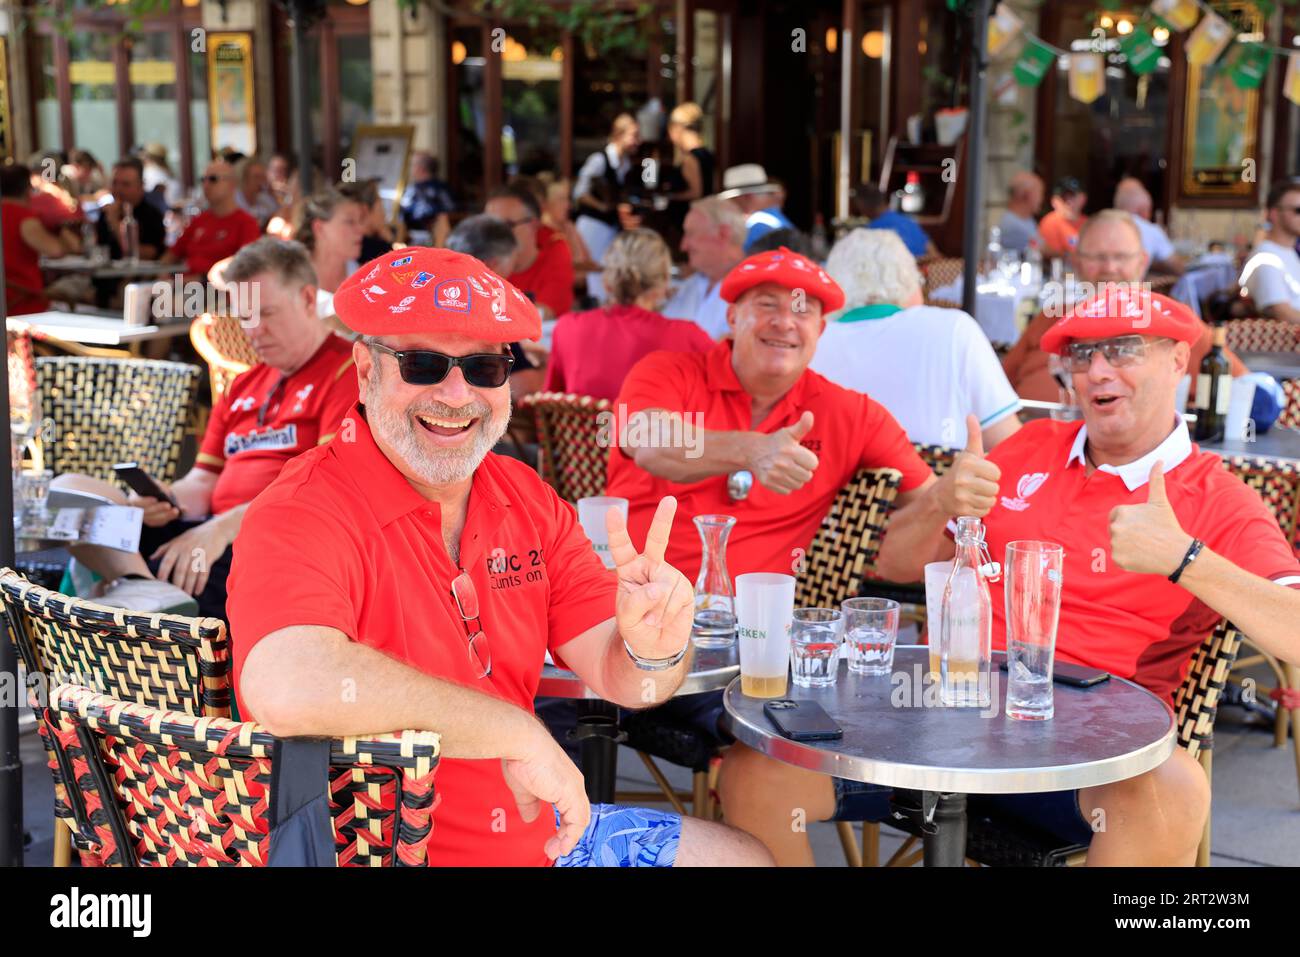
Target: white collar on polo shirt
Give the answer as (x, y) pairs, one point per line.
(1172, 451)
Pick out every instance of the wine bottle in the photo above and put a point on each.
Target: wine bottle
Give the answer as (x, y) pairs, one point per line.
(1213, 390)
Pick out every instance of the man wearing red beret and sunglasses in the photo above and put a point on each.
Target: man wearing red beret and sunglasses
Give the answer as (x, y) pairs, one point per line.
(402, 576)
(1160, 542)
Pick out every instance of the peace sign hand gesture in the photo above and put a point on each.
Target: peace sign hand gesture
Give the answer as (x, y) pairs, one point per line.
(655, 606)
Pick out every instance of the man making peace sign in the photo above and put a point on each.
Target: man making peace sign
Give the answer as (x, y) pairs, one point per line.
(404, 577)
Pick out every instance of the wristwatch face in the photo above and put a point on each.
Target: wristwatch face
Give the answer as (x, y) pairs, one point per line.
(739, 484)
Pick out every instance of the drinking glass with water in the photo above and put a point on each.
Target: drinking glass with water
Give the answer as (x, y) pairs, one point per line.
(1033, 603)
(871, 629)
(815, 647)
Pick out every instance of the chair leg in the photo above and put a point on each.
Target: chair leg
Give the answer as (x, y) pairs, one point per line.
(849, 841)
(62, 844)
(663, 783)
(870, 844)
(1203, 851)
(700, 795)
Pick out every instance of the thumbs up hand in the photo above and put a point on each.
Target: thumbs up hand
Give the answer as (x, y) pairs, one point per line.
(780, 463)
(970, 486)
(1146, 538)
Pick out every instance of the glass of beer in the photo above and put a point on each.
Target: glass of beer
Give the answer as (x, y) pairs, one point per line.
(764, 611)
(591, 515)
(936, 578)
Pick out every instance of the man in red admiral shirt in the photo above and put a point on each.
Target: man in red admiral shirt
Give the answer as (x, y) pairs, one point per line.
(1160, 542)
(404, 577)
(543, 263)
(219, 231)
(291, 401)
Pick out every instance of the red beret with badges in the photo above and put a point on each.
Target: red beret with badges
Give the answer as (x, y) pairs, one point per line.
(1123, 309)
(787, 269)
(424, 290)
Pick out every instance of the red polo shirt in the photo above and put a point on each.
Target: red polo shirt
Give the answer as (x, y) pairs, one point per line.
(592, 352)
(550, 277)
(211, 238)
(850, 431)
(265, 419)
(1141, 627)
(341, 539)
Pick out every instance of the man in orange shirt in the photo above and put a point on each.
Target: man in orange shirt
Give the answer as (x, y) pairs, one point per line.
(406, 564)
(543, 263)
(1160, 542)
(1109, 251)
(1060, 228)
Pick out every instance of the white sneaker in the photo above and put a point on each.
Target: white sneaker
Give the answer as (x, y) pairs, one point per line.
(149, 595)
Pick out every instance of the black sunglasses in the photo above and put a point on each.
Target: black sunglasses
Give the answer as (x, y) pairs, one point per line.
(483, 370)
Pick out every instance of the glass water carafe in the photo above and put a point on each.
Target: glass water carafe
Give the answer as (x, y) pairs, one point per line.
(966, 636)
(715, 593)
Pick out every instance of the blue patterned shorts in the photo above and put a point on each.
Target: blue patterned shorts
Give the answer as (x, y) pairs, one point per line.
(625, 837)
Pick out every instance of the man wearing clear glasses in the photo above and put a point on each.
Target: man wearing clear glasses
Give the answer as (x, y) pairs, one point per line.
(403, 577)
(1160, 542)
(1272, 274)
(1110, 251)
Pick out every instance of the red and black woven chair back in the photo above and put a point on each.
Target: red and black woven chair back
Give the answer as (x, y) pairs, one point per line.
(848, 541)
(573, 436)
(158, 788)
(1278, 486)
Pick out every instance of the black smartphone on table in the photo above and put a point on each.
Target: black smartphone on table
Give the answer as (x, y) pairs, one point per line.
(1076, 676)
(802, 720)
(142, 483)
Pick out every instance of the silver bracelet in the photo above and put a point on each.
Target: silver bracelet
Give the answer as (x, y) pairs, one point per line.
(656, 664)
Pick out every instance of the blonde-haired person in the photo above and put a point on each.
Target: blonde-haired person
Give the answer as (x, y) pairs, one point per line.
(602, 182)
(592, 352)
(692, 175)
(555, 214)
(930, 367)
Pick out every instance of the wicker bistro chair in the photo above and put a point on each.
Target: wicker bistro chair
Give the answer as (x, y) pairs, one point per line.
(1278, 485)
(1290, 417)
(1262, 335)
(938, 273)
(993, 841)
(573, 435)
(162, 788)
(105, 411)
(168, 662)
(221, 342)
(831, 570)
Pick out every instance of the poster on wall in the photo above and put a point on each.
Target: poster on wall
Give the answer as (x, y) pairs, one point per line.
(1220, 120)
(233, 118)
(384, 153)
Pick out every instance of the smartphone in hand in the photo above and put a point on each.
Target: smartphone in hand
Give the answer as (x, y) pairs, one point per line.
(142, 483)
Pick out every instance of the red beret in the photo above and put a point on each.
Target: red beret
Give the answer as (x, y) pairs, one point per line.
(785, 268)
(1123, 310)
(418, 289)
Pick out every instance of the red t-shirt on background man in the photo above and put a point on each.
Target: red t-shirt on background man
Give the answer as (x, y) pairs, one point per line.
(1141, 627)
(341, 539)
(265, 419)
(24, 284)
(550, 277)
(210, 238)
(850, 432)
(592, 352)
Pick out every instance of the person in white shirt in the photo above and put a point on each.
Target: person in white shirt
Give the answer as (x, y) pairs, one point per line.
(1272, 274)
(600, 185)
(930, 367)
(713, 238)
(1132, 197)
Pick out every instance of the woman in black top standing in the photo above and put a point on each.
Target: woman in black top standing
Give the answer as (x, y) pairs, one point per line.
(692, 177)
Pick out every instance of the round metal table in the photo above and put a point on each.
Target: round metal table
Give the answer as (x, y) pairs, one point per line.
(895, 734)
(598, 733)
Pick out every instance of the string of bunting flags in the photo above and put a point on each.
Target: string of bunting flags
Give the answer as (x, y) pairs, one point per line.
(1208, 36)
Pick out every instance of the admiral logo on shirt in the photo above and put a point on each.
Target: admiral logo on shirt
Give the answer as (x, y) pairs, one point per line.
(451, 294)
(285, 437)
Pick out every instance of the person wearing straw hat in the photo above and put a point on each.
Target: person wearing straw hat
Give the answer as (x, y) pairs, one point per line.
(758, 197)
